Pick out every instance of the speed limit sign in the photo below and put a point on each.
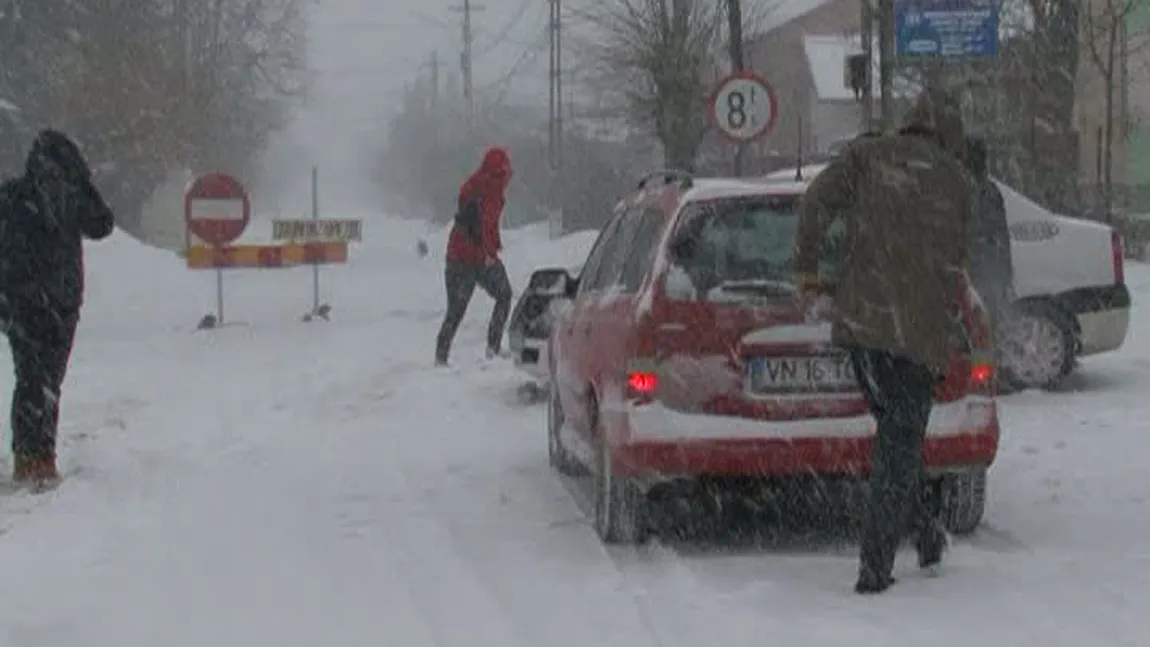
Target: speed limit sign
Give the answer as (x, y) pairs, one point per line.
(743, 107)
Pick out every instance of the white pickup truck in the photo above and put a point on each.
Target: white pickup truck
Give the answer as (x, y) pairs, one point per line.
(1072, 296)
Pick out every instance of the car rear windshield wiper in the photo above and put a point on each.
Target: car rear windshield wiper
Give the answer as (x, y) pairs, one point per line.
(760, 287)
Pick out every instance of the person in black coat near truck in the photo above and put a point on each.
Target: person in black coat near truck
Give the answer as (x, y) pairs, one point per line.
(44, 217)
(991, 264)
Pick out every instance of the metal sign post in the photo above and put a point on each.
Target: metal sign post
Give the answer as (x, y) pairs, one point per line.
(315, 305)
(217, 210)
(317, 238)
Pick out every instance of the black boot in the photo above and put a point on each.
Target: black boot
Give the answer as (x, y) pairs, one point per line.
(870, 583)
(930, 544)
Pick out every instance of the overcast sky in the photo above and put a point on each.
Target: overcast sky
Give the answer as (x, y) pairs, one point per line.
(363, 51)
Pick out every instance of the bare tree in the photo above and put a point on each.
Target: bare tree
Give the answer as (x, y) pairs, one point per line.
(1108, 46)
(654, 59)
(1054, 63)
(150, 86)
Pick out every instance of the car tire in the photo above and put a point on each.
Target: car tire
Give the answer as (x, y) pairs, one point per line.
(963, 501)
(561, 460)
(620, 506)
(1036, 348)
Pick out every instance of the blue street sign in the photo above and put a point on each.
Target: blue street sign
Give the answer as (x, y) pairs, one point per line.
(947, 28)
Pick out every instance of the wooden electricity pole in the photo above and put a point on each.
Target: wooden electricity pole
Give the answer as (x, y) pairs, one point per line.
(465, 59)
(886, 63)
(866, 37)
(555, 118)
(738, 63)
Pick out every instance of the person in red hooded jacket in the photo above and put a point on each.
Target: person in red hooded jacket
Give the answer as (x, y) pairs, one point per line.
(473, 253)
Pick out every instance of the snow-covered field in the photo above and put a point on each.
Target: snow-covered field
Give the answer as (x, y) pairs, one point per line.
(281, 483)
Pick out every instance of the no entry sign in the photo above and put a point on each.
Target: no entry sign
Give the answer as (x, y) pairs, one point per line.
(217, 208)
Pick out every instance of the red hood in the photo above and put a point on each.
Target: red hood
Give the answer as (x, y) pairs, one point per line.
(496, 166)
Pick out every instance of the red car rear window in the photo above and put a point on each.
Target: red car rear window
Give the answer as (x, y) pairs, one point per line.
(740, 245)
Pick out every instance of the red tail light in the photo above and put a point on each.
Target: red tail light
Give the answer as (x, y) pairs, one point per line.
(1117, 256)
(972, 369)
(982, 378)
(642, 385)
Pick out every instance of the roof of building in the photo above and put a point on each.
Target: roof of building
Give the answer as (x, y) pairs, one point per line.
(784, 11)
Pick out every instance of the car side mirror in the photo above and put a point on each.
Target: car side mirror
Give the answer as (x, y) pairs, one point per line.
(554, 281)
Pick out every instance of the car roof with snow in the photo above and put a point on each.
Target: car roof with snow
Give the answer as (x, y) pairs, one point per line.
(1018, 206)
(704, 189)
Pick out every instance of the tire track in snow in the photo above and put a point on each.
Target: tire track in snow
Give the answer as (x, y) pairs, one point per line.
(360, 520)
(457, 606)
(526, 540)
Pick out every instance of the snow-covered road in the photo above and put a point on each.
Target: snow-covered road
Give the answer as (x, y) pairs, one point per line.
(280, 483)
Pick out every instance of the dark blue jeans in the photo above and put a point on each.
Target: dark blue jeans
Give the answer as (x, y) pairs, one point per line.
(900, 394)
(40, 337)
(460, 280)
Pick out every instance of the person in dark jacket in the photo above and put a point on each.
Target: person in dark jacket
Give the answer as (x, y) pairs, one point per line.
(906, 198)
(44, 216)
(473, 254)
(991, 265)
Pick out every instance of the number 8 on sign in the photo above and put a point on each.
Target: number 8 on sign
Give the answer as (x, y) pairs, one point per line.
(743, 107)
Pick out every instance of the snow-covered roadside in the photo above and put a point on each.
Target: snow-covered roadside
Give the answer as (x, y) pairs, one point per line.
(299, 484)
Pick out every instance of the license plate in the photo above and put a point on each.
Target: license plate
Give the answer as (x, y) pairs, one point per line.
(815, 374)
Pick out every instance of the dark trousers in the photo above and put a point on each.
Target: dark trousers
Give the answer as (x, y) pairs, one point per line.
(460, 280)
(900, 395)
(41, 341)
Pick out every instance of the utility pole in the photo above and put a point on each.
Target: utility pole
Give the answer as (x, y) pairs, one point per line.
(467, 81)
(465, 60)
(886, 63)
(434, 62)
(555, 116)
(738, 64)
(555, 87)
(558, 38)
(866, 39)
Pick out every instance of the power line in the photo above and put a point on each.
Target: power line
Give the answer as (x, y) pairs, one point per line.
(525, 58)
(501, 37)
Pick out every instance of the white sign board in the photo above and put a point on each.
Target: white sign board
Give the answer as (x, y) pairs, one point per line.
(743, 107)
(209, 209)
(317, 230)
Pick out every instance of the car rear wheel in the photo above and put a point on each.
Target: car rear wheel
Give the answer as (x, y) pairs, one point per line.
(963, 500)
(1036, 347)
(620, 506)
(561, 460)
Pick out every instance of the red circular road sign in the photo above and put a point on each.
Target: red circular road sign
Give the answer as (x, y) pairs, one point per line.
(743, 106)
(217, 208)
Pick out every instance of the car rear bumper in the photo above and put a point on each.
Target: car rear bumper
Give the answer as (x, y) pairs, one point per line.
(664, 443)
(1102, 314)
(1103, 330)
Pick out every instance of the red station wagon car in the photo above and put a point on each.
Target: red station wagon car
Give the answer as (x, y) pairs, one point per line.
(679, 353)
